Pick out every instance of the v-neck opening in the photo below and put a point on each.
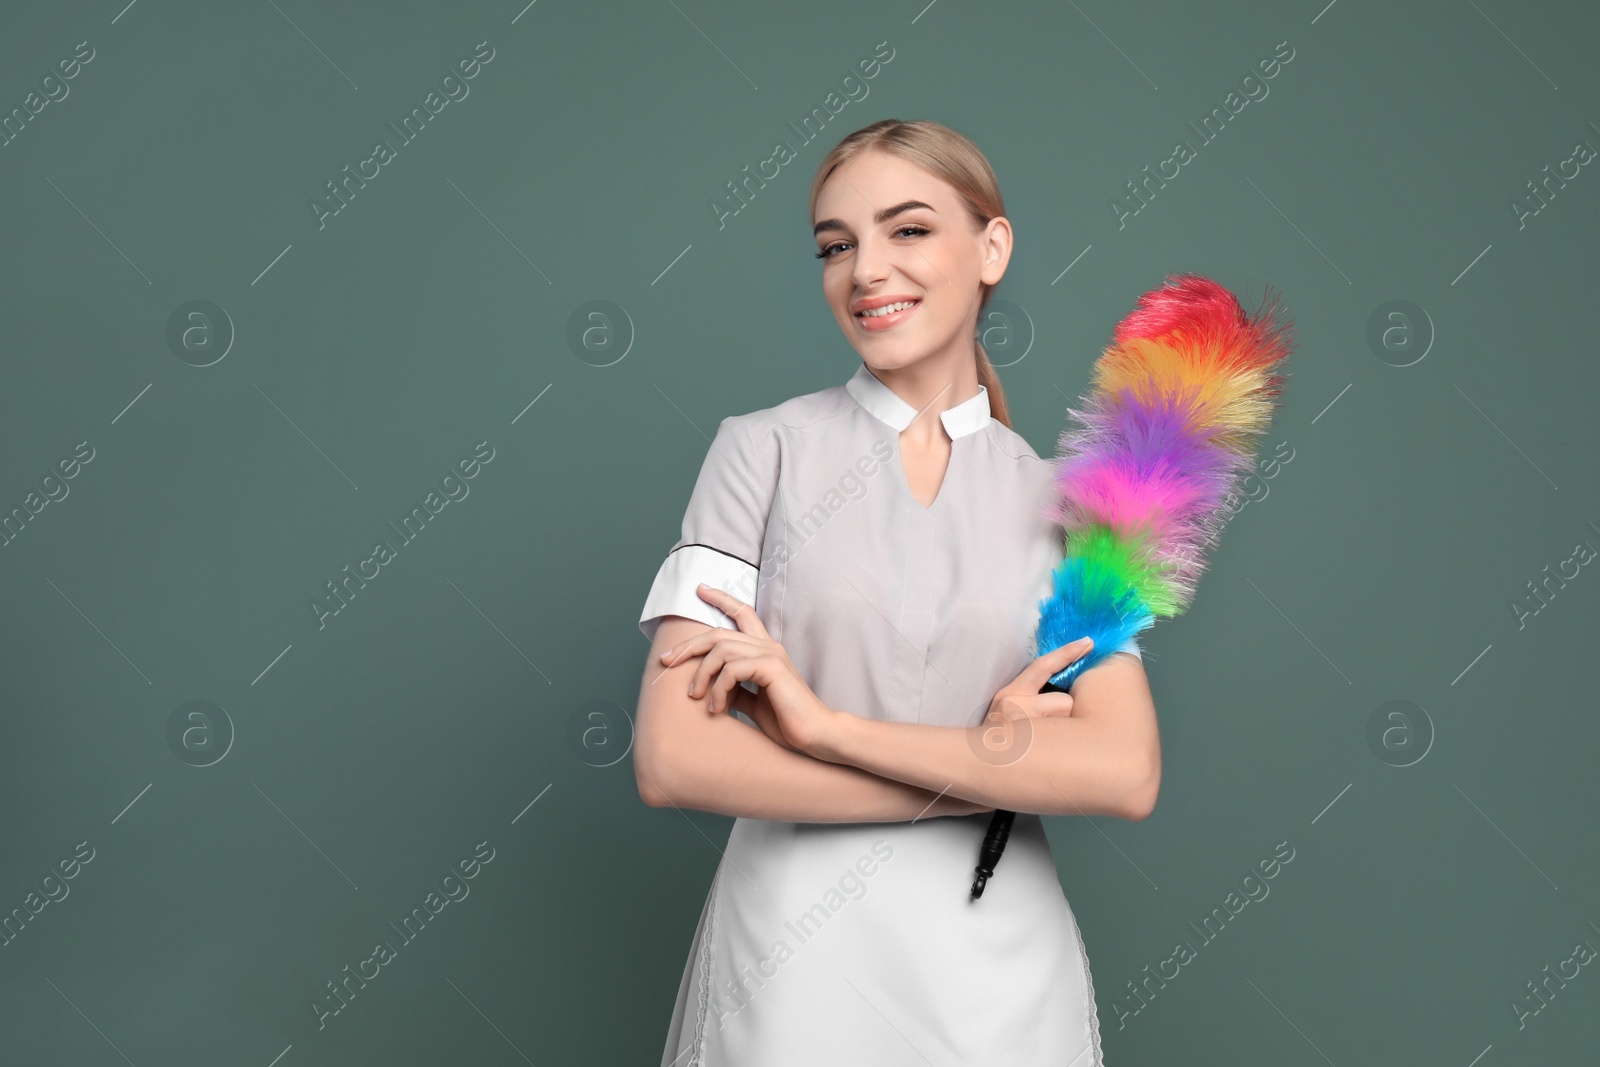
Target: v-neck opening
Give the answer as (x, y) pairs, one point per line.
(964, 420)
(944, 480)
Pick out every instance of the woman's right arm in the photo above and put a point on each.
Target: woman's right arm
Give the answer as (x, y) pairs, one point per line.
(686, 756)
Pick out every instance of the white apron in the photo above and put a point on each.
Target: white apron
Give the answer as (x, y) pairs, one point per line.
(800, 959)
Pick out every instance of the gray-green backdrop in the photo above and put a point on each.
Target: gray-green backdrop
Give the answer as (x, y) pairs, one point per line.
(285, 281)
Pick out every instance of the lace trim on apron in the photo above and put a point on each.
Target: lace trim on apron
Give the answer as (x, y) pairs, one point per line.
(1088, 997)
(697, 1060)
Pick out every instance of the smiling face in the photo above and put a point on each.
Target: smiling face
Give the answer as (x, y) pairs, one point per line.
(891, 234)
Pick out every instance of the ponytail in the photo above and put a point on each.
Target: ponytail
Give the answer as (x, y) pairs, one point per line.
(990, 380)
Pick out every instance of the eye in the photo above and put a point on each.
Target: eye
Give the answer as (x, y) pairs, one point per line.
(828, 251)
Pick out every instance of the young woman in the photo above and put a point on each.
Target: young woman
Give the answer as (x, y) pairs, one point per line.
(870, 558)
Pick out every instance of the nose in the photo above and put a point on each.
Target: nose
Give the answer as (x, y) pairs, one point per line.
(871, 264)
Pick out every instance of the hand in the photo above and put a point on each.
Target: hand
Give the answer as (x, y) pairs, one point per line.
(750, 654)
(1021, 698)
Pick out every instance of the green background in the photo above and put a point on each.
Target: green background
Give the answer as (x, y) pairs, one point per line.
(479, 688)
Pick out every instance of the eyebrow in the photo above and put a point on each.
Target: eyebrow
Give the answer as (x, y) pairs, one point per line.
(881, 217)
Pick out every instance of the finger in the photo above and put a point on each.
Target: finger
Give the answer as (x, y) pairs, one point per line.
(1053, 704)
(714, 647)
(1007, 706)
(1020, 704)
(1041, 670)
(710, 665)
(744, 669)
(697, 645)
(719, 694)
(741, 613)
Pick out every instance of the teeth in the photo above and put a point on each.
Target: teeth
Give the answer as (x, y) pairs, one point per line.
(887, 309)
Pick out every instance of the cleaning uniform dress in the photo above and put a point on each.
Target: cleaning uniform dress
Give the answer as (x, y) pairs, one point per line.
(857, 943)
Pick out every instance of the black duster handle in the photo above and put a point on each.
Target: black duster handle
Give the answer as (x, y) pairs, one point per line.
(994, 842)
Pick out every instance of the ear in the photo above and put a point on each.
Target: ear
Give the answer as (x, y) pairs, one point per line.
(996, 242)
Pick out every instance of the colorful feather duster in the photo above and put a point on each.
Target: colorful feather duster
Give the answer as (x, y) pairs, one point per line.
(1164, 439)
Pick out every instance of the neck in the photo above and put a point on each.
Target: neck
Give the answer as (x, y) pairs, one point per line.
(932, 385)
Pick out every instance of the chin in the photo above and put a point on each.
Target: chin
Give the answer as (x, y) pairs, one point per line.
(881, 361)
(893, 355)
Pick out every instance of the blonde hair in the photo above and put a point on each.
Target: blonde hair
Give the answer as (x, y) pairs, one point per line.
(952, 158)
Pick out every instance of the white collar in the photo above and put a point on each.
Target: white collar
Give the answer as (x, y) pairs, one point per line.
(969, 416)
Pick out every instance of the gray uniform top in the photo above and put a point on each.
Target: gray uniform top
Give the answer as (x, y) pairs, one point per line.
(888, 609)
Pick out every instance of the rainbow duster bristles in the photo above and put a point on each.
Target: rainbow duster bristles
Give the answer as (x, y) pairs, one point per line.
(1164, 438)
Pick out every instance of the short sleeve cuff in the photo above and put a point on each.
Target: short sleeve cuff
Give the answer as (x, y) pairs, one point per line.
(673, 592)
(1131, 645)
